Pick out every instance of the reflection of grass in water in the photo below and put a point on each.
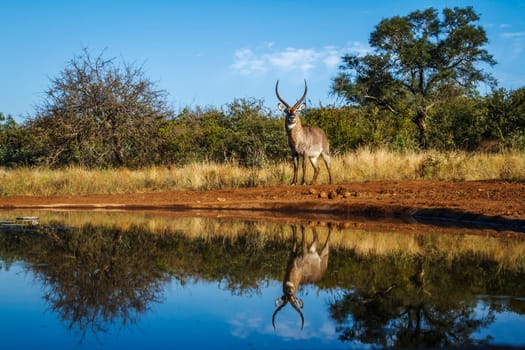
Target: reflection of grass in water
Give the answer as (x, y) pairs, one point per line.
(510, 253)
(507, 252)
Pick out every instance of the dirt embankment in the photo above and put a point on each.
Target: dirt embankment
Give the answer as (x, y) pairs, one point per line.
(488, 202)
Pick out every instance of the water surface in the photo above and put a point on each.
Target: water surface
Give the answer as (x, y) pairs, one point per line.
(113, 280)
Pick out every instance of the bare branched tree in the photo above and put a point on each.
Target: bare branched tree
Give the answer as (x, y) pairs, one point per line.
(100, 114)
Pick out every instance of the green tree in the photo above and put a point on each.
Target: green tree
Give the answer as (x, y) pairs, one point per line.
(419, 60)
(99, 113)
(460, 123)
(16, 145)
(197, 135)
(243, 131)
(258, 137)
(506, 117)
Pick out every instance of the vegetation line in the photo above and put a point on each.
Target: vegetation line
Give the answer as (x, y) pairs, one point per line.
(365, 164)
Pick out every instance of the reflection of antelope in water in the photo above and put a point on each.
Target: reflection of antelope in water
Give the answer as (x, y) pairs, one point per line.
(307, 266)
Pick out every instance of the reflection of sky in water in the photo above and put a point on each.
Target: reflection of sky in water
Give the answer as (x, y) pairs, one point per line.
(197, 315)
(508, 326)
(25, 322)
(203, 314)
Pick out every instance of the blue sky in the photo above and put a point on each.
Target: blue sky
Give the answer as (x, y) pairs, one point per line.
(206, 53)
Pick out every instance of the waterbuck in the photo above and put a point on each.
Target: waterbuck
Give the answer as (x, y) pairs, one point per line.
(306, 141)
(307, 266)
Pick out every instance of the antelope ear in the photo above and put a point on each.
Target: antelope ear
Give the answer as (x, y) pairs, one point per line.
(302, 107)
(281, 107)
(279, 302)
(299, 302)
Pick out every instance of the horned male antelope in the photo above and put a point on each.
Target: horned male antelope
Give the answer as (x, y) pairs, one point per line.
(303, 267)
(306, 141)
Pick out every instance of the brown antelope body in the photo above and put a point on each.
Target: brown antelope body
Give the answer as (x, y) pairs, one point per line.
(305, 141)
(303, 267)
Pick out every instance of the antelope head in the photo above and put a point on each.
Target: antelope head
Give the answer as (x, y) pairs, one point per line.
(292, 112)
(289, 297)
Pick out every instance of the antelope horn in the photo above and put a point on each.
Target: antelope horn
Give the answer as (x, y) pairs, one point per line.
(276, 312)
(294, 305)
(302, 98)
(279, 97)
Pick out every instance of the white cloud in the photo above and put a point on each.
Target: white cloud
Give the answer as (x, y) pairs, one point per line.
(512, 35)
(248, 62)
(293, 59)
(516, 44)
(332, 57)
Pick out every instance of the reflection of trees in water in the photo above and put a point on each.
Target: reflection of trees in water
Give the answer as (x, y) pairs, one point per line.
(98, 276)
(409, 313)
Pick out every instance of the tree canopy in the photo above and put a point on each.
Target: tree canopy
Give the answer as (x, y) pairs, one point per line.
(419, 60)
(98, 112)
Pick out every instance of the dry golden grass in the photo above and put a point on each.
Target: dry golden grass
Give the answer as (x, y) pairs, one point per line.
(364, 164)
